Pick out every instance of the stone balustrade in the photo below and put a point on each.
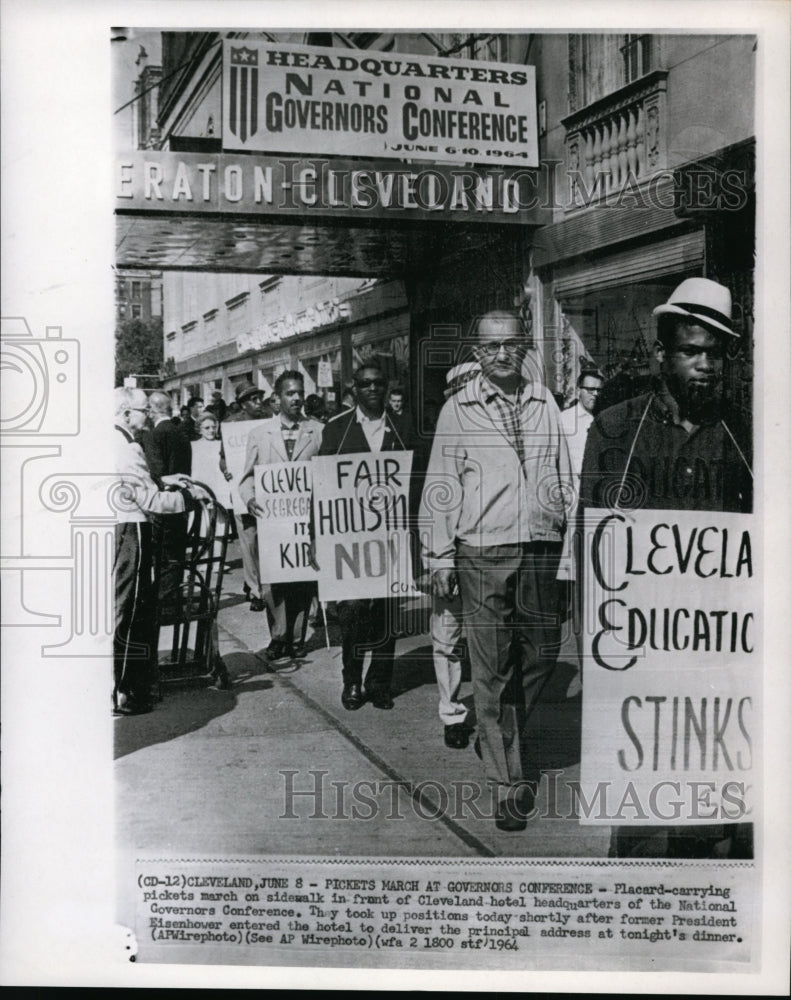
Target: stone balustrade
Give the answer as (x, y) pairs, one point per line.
(617, 141)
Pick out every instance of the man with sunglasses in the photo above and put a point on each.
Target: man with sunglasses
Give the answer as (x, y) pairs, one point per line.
(368, 427)
(493, 515)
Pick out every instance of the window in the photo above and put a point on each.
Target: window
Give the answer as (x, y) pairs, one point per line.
(602, 64)
(136, 289)
(636, 53)
(137, 310)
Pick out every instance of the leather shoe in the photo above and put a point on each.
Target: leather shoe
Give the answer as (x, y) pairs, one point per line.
(256, 604)
(457, 736)
(352, 697)
(296, 650)
(380, 698)
(512, 811)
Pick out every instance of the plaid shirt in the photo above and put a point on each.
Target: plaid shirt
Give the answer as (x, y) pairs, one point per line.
(506, 414)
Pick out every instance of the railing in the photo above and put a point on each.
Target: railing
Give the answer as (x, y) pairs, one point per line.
(617, 141)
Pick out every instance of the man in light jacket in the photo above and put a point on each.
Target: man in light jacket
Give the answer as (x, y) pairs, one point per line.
(138, 499)
(286, 437)
(494, 510)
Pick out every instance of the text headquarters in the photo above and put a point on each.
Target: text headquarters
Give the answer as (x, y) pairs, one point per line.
(314, 795)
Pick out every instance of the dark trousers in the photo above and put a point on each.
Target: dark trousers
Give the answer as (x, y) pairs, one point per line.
(134, 656)
(170, 544)
(368, 624)
(511, 621)
(290, 600)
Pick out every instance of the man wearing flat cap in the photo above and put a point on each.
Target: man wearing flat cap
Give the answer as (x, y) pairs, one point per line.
(677, 447)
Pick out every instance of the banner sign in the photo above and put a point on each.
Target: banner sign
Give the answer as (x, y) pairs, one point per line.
(282, 490)
(361, 523)
(670, 668)
(206, 469)
(311, 99)
(234, 440)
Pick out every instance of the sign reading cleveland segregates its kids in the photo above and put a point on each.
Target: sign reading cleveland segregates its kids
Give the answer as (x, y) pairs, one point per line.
(282, 491)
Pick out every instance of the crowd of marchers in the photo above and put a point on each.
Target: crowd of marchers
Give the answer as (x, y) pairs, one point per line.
(502, 476)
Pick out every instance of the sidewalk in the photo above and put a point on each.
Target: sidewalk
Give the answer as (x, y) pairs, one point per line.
(276, 765)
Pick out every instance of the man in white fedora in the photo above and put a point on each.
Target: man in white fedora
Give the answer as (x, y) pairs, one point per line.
(677, 448)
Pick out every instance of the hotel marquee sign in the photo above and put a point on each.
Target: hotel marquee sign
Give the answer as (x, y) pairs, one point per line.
(224, 184)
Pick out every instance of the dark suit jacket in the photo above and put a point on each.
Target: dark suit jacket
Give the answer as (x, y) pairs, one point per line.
(343, 435)
(168, 450)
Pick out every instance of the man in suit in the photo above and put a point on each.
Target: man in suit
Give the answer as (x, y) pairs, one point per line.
(287, 437)
(168, 453)
(366, 624)
(189, 423)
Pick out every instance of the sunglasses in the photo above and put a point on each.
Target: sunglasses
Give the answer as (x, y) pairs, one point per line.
(370, 383)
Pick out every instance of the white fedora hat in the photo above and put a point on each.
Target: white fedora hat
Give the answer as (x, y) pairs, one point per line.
(705, 301)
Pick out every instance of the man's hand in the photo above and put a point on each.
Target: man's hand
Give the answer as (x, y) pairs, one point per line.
(176, 479)
(445, 583)
(254, 510)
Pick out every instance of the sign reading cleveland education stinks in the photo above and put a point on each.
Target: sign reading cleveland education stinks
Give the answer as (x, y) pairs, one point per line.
(671, 676)
(311, 99)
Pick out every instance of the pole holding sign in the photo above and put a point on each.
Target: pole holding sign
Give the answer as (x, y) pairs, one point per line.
(361, 524)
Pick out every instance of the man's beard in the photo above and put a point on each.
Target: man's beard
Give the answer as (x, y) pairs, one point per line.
(700, 402)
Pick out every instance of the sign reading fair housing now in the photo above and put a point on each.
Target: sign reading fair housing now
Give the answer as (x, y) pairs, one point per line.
(361, 523)
(314, 99)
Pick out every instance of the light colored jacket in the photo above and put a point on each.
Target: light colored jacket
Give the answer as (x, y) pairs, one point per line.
(476, 490)
(265, 445)
(139, 495)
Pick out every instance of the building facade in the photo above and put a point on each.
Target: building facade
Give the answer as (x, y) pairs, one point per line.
(646, 176)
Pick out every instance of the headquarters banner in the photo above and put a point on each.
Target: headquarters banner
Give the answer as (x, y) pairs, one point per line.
(282, 490)
(313, 99)
(672, 660)
(361, 521)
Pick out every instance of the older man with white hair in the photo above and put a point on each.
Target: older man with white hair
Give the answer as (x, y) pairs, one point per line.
(133, 649)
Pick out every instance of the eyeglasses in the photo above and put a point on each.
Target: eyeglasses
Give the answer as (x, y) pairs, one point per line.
(370, 383)
(591, 388)
(510, 347)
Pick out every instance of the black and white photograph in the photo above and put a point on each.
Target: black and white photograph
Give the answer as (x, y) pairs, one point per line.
(394, 451)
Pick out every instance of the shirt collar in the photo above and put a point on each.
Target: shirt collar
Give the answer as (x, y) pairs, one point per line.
(488, 390)
(362, 419)
(288, 425)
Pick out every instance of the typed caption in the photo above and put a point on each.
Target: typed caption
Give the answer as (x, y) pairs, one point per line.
(512, 914)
